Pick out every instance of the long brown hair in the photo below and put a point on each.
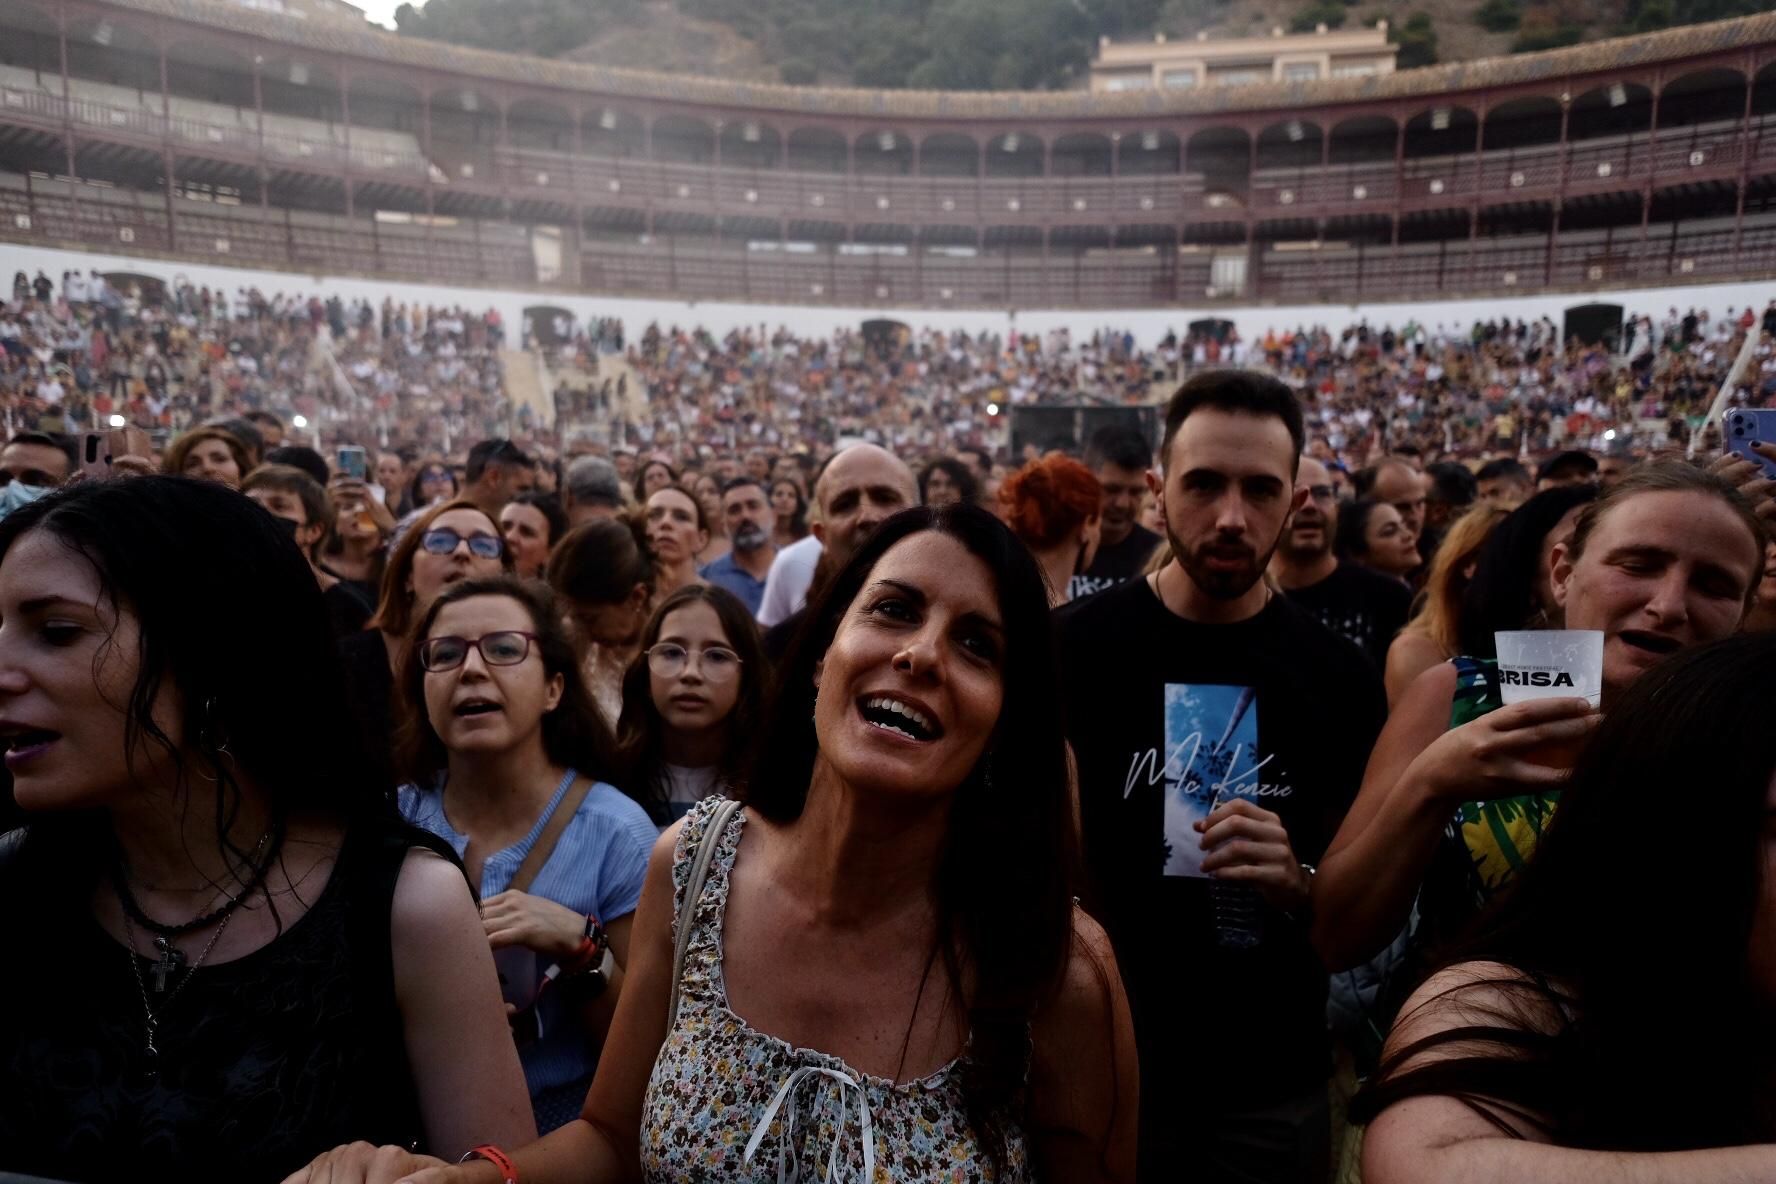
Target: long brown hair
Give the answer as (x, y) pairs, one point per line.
(173, 464)
(1439, 610)
(394, 609)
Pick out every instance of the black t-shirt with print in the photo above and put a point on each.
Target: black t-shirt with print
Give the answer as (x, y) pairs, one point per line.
(1115, 563)
(1167, 716)
(1362, 606)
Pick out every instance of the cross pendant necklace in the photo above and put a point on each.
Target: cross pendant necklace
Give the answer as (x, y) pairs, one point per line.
(170, 962)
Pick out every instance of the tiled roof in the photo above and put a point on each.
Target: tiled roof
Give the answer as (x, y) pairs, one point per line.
(616, 83)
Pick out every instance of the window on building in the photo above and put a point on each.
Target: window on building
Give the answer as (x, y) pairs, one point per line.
(1128, 82)
(1353, 70)
(1179, 79)
(1238, 77)
(1301, 71)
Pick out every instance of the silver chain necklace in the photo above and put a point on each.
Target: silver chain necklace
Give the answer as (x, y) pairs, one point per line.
(169, 957)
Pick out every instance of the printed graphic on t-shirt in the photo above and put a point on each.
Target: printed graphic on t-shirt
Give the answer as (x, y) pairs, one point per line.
(1211, 746)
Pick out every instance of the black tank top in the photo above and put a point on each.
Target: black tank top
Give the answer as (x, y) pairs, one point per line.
(265, 1061)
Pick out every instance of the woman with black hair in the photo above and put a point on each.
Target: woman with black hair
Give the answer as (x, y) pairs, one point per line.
(1372, 534)
(1460, 787)
(532, 523)
(1611, 1020)
(243, 956)
(946, 481)
(883, 970)
(790, 505)
(692, 700)
(606, 580)
(500, 738)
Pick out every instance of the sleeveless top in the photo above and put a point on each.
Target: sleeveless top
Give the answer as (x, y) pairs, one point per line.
(265, 1061)
(728, 1103)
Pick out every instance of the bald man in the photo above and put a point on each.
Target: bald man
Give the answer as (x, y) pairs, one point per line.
(1401, 486)
(859, 489)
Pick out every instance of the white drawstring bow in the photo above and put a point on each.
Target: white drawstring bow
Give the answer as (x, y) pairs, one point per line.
(786, 1146)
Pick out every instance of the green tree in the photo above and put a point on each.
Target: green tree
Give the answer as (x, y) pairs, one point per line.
(1417, 39)
(1543, 27)
(1499, 16)
(1330, 13)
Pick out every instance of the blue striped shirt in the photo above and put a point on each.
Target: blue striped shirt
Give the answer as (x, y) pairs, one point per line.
(597, 867)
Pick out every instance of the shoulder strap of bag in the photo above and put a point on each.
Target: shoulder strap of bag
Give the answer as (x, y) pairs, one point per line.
(538, 855)
(687, 905)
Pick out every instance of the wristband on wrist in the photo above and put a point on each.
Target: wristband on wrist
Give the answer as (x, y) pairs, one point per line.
(496, 1157)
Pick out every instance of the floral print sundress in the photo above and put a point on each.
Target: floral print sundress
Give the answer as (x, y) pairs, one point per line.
(728, 1103)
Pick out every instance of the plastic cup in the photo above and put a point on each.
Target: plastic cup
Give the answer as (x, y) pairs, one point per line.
(1550, 664)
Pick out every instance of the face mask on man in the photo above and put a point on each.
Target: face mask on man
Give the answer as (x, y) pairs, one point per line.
(16, 493)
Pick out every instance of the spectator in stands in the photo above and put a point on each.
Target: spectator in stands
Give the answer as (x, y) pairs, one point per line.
(247, 432)
(1504, 483)
(210, 454)
(1373, 534)
(1450, 488)
(449, 543)
(1568, 468)
(36, 459)
(946, 481)
(676, 532)
(357, 551)
(1054, 506)
(324, 1030)
(746, 508)
(295, 499)
(271, 429)
(1612, 468)
(693, 700)
(433, 482)
(1550, 1049)
(532, 523)
(1762, 617)
(980, 465)
(497, 471)
(791, 510)
(655, 475)
(707, 489)
(1363, 606)
(593, 490)
(504, 738)
(1668, 559)
(859, 488)
(1398, 482)
(1434, 635)
(391, 476)
(606, 579)
(1120, 458)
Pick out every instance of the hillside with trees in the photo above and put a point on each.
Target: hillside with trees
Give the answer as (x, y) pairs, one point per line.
(999, 44)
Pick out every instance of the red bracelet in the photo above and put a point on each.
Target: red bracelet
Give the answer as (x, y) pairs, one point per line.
(496, 1157)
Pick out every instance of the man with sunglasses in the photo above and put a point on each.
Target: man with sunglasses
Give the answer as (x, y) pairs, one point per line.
(1358, 604)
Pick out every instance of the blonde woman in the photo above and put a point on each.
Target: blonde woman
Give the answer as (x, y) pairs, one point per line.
(1430, 637)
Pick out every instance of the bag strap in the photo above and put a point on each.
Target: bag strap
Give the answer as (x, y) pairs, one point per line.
(687, 905)
(538, 855)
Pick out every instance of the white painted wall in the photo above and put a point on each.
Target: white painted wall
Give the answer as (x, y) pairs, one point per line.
(1147, 324)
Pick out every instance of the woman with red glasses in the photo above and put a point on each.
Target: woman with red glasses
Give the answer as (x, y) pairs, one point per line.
(449, 543)
(506, 758)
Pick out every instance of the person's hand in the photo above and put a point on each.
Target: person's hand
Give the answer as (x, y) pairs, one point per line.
(365, 1163)
(355, 490)
(1749, 478)
(132, 466)
(1493, 756)
(1247, 844)
(520, 919)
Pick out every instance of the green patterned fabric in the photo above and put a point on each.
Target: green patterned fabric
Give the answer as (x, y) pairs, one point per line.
(1497, 836)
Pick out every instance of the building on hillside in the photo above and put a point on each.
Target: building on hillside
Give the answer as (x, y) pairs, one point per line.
(1165, 64)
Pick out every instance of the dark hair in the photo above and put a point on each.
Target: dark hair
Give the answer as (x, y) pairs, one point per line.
(1123, 447)
(497, 451)
(394, 607)
(741, 482)
(1243, 392)
(247, 432)
(549, 506)
(61, 444)
(316, 505)
(300, 456)
(417, 498)
(1505, 593)
(1451, 483)
(641, 472)
(640, 730)
(574, 733)
(1351, 541)
(1585, 1043)
(965, 481)
(1506, 468)
(797, 525)
(601, 562)
(269, 418)
(152, 541)
(1004, 880)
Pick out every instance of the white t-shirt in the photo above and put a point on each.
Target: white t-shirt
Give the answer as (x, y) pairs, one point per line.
(788, 581)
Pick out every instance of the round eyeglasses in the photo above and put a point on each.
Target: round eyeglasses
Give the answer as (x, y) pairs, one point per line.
(442, 541)
(717, 663)
(508, 647)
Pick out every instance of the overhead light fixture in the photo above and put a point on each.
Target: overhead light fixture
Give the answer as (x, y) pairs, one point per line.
(1440, 117)
(1011, 142)
(608, 120)
(298, 74)
(1618, 95)
(103, 33)
(1150, 140)
(885, 141)
(1295, 131)
(749, 131)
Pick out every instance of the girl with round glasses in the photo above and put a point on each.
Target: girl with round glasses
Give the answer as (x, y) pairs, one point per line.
(691, 701)
(449, 543)
(501, 739)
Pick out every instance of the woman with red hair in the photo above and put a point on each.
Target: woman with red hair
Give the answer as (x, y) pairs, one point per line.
(1052, 505)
